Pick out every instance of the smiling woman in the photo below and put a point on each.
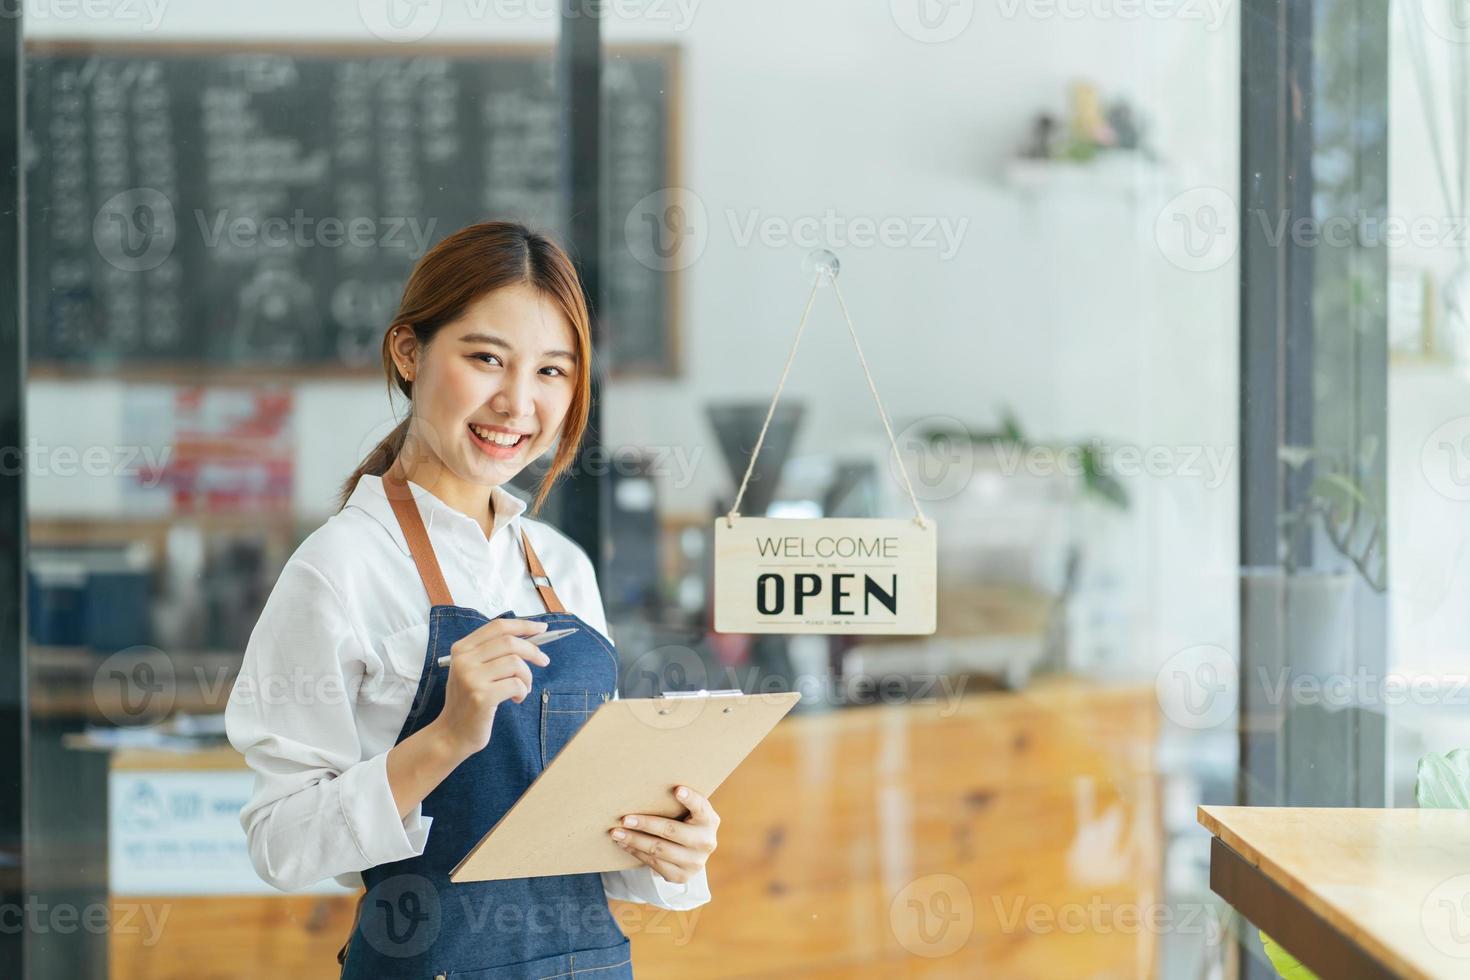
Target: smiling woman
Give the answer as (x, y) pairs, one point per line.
(491, 335)
(425, 589)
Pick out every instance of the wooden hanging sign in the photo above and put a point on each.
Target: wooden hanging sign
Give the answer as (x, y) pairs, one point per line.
(829, 575)
(826, 575)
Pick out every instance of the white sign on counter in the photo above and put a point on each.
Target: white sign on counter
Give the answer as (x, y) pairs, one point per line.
(177, 832)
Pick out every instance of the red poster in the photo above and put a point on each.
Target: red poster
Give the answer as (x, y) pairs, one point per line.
(232, 451)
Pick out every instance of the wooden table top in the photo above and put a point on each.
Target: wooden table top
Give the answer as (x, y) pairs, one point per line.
(1396, 882)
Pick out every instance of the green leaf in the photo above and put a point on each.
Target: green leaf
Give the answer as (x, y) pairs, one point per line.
(1443, 781)
(1284, 963)
(1339, 490)
(1105, 486)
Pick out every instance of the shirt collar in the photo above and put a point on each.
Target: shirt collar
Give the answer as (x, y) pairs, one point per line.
(370, 496)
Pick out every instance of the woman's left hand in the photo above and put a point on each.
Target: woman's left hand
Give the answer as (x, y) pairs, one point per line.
(676, 849)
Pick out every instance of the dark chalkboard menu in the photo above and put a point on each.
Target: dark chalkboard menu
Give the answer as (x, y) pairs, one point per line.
(218, 208)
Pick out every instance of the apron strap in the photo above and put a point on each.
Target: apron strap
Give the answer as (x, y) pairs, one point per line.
(422, 551)
(418, 539)
(538, 577)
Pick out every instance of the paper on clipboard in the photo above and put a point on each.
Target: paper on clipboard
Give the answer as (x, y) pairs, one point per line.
(625, 759)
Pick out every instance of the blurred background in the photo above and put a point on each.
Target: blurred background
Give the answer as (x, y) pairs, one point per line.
(1169, 304)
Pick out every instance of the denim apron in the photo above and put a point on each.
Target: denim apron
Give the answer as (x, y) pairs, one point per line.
(412, 922)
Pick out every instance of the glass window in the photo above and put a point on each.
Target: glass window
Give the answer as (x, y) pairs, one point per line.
(1104, 291)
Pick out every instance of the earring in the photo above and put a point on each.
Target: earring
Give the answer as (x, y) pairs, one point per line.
(406, 375)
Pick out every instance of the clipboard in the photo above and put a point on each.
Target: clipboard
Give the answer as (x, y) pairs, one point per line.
(624, 759)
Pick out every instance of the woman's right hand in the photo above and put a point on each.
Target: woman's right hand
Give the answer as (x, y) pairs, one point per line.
(488, 666)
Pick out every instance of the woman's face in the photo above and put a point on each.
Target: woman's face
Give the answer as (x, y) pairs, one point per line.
(492, 388)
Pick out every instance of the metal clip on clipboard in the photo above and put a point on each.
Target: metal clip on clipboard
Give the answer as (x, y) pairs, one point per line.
(701, 693)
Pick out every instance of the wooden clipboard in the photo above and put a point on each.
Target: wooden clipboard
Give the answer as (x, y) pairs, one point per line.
(626, 758)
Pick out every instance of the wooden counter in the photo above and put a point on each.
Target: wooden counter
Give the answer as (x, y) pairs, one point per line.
(1350, 892)
(867, 842)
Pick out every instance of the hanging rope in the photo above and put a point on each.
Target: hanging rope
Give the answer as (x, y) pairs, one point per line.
(781, 385)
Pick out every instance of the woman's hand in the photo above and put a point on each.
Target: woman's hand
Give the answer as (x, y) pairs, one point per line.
(676, 849)
(488, 666)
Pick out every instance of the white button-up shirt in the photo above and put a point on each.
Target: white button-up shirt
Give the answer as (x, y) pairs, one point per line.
(332, 666)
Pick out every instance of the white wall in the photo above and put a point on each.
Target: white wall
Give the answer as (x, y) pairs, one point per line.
(1059, 303)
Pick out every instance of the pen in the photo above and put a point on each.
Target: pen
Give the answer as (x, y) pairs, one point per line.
(538, 640)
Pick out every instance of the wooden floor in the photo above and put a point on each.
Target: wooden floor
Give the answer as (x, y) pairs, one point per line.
(988, 838)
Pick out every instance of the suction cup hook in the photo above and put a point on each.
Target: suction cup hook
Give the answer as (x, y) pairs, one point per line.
(822, 265)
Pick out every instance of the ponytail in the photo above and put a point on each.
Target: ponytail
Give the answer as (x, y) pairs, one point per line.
(376, 463)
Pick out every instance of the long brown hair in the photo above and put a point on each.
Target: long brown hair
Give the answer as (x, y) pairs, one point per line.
(453, 274)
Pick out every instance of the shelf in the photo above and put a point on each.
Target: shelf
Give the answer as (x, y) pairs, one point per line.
(1115, 172)
(97, 529)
